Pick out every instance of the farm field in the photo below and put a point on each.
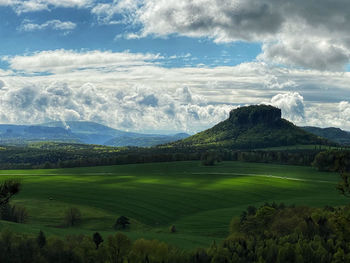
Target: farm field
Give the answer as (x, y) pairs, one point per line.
(199, 200)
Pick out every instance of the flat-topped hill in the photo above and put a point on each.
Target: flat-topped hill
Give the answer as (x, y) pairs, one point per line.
(251, 127)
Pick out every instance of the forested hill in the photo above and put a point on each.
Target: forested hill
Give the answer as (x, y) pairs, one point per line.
(251, 127)
(334, 134)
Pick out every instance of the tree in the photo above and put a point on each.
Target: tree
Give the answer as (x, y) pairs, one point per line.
(41, 239)
(97, 238)
(8, 189)
(118, 247)
(72, 216)
(209, 158)
(121, 223)
(344, 185)
(172, 229)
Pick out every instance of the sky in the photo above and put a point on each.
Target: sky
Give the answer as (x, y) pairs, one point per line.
(173, 66)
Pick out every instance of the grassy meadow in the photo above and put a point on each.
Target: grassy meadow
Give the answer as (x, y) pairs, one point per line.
(199, 200)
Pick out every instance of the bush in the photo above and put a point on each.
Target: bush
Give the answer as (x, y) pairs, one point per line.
(172, 229)
(72, 216)
(121, 223)
(41, 239)
(14, 213)
(210, 158)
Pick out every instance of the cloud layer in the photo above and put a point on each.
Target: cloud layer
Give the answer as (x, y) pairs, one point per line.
(310, 34)
(68, 60)
(139, 108)
(298, 33)
(135, 91)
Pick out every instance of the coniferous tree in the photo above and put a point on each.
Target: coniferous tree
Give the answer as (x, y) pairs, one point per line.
(97, 238)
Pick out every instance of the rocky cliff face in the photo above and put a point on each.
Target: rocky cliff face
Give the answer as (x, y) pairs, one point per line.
(255, 114)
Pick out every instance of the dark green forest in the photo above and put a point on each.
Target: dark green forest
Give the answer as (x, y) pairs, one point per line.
(270, 233)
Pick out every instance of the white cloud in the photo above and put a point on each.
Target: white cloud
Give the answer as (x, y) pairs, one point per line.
(38, 5)
(291, 104)
(2, 84)
(68, 60)
(344, 110)
(106, 12)
(51, 24)
(138, 108)
(134, 91)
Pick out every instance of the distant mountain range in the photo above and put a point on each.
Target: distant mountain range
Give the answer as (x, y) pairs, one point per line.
(80, 132)
(251, 127)
(333, 134)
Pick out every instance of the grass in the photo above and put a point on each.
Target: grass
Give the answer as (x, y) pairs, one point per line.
(200, 201)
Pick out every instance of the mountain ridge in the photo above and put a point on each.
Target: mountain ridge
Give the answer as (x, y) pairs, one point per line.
(331, 133)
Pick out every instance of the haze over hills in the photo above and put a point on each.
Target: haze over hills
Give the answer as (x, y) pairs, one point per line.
(80, 132)
(145, 140)
(21, 134)
(90, 132)
(252, 127)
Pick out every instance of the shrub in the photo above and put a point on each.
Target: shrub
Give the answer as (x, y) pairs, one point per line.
(172, 229)
(72, 216)
(14, 213)
(121, 223)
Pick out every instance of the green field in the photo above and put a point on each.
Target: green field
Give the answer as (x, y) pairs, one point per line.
(199, 200)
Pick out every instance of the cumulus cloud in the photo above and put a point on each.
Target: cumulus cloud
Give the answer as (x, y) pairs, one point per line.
(138, 108)
(2, 84)
(291, 104)
(51, 24)
(307, 53)
(344, 110)
(310, 34)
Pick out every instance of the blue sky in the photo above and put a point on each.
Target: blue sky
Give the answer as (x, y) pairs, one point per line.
(164, 66)
(89, 34)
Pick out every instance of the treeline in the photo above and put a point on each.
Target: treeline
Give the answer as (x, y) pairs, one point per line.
(68, 155)
(332, 160)
(276, 233)
(118, 248)
(270, 233)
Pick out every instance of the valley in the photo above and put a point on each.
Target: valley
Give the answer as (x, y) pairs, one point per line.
(199, 200)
